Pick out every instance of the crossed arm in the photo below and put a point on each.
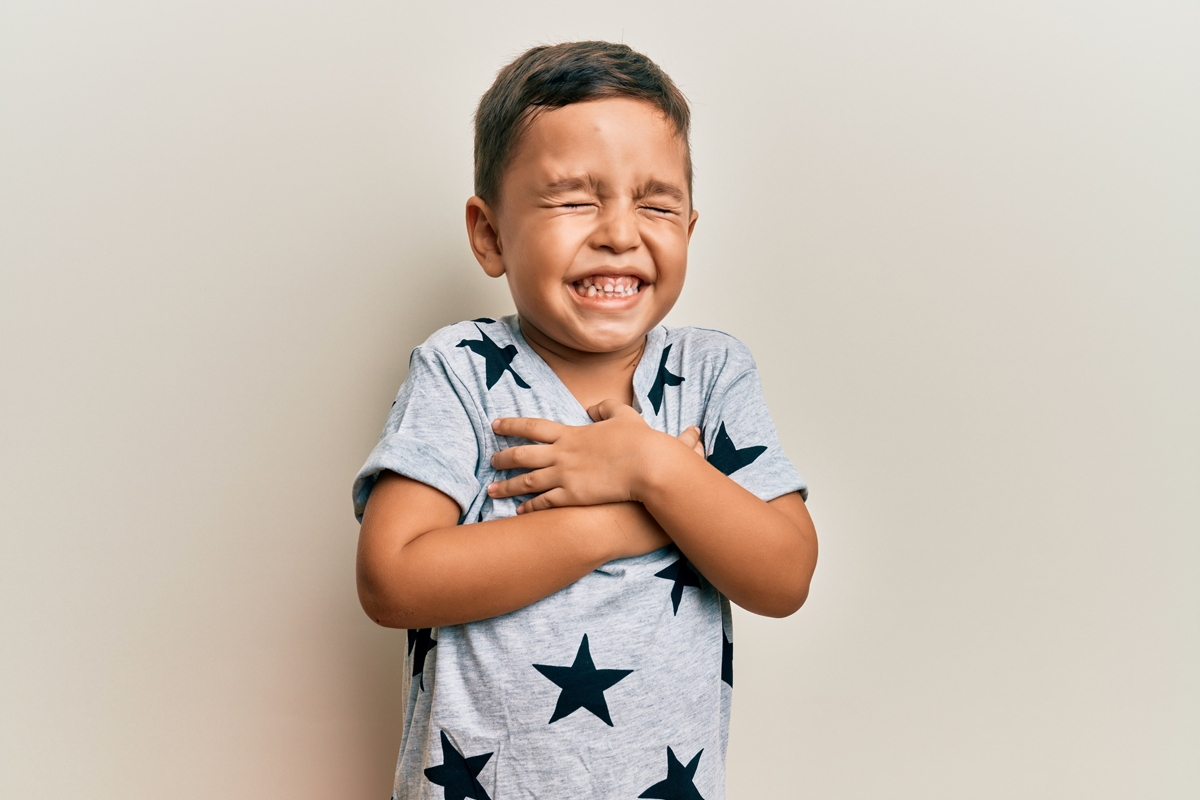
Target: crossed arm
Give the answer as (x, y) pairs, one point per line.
(609, 490)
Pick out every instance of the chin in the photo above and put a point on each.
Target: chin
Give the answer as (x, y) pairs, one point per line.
(609, 340)
(592, 331)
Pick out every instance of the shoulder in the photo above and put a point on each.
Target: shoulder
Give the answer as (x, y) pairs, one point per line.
(473, 356)
(447, 341)
(448, 348)
(714, 350)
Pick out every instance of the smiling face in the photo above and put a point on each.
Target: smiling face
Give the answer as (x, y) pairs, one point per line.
(592, 225)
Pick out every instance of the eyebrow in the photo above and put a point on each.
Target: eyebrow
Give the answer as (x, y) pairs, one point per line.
(655, 187)
(577, 183)
(574, 183)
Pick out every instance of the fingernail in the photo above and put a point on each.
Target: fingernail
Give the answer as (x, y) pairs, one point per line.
(491, 487)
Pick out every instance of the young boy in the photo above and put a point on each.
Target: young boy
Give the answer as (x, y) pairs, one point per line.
(622, 481)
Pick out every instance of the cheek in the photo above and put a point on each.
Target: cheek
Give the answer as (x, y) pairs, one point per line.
(670, 251)
(541, 239)
(548, 256)
(536, 275)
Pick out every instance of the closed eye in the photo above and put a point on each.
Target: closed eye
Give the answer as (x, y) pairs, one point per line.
(658, 210)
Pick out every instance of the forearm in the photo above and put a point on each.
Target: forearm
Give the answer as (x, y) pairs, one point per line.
(461, 573)
(756, 554)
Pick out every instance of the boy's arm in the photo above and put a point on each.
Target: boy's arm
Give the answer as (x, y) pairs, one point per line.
(761, 555)
(417, 568)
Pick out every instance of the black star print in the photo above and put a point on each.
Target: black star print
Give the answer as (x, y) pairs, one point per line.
(498, 358)
(727, 458)
(582, 685)
(457, 774)
(420, 642)
(679, 782)
(726, 658)
(683, 575)
(487, 320)
(662, 380)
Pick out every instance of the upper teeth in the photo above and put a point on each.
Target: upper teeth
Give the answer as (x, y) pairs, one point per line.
(620, 287)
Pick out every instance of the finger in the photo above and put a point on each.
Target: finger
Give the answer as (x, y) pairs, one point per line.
(540, 480)
(690, 436)
(555, 498)
(540, 430)
(606, 409)
(525, 456)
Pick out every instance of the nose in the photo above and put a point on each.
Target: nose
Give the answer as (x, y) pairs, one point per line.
(617, 228)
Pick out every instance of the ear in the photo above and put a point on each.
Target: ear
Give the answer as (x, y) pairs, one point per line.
(692, 224)
(484, 237)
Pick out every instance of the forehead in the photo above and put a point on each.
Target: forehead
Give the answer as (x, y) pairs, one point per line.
(612, 139)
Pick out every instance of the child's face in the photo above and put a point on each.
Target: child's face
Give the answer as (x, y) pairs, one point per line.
(596, 194)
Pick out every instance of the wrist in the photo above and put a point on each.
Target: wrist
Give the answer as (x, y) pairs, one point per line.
(629, 530)
(600, 533)
(657, 465)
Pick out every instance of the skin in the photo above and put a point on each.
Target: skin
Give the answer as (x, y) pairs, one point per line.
(595, 190)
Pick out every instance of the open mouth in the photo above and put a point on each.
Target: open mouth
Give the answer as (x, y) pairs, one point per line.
(608, 286)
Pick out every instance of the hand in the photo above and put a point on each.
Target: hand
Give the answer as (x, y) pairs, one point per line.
(580, 465)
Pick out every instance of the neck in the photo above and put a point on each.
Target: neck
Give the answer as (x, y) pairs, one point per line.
(590, 377)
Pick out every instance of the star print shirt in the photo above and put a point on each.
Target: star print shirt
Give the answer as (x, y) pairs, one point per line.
(618, 685)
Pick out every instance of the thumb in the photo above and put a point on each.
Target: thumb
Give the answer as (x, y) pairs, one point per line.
(691, 437)
(605, 409)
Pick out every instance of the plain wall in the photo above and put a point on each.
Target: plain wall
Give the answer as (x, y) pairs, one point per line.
(963, 241)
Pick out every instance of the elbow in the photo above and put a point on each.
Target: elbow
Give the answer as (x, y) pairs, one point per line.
(387, 615)
(784, 604)
(778, 601)
(793, 590)
(795, 602)
(374, 608)
(378, 603)
(390, 600)
(787, 592)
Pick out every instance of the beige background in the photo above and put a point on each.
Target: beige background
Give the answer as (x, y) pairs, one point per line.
(963, 240)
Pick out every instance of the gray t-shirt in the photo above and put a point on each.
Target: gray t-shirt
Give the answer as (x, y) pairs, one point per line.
(618, 685)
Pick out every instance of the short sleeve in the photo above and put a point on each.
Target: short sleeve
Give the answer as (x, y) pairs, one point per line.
(429, 435)
(740, 439)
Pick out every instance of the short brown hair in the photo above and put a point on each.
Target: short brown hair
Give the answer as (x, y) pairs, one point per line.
(558, 75)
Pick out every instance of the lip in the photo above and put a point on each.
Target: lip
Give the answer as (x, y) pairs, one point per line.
(613, 272)
(606, 302)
